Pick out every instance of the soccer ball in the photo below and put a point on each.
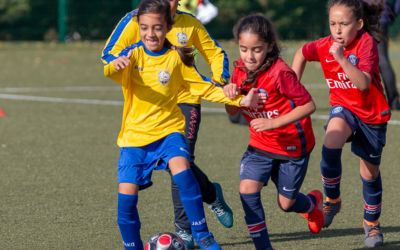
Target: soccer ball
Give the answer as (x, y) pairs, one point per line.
(165, 241)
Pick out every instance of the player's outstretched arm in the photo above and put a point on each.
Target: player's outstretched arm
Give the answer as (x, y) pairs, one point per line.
(299, 63)
(116, 68)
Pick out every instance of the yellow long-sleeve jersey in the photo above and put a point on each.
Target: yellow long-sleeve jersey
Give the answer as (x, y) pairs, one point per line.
(186, 31)
(151, 84)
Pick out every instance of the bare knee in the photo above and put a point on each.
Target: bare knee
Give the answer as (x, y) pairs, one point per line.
(285, 203)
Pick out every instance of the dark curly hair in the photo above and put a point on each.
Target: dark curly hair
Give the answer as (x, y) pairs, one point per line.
(261, 26)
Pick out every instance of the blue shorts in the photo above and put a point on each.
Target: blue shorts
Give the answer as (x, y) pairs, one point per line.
(367, 141)
(136, 164)
(287, 175)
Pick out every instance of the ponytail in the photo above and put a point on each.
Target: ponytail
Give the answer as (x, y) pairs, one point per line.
(186, 54)
(372, 12)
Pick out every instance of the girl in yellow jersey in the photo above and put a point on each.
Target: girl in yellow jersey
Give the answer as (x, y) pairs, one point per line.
(186, 31)
(152, 74)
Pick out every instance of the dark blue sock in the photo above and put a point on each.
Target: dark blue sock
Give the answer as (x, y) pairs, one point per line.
(192, 202)
(302, 204)
(128, 221)
(255, 220)
(331, 170)
(372, 192)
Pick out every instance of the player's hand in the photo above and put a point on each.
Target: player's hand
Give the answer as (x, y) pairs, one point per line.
(337, 51)
(262, 124)
(122, 61)
(254, 99)
(230, 90)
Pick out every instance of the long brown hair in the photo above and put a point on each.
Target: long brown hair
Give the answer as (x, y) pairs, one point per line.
(261, 26)
(163, 7)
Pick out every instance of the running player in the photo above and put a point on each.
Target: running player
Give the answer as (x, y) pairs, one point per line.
(359, 112)
(188, 32)
(281, 134)
(151, 73)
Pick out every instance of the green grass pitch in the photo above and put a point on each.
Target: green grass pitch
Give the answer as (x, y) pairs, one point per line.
(58, 160)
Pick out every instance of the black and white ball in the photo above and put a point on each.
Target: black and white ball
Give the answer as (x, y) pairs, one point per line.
(165, 241)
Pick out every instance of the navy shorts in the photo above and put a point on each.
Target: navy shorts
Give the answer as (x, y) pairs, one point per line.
(136, 164)
(367, 141)
(287, 175)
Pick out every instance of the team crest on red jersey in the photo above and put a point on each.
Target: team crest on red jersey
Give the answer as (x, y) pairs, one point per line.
(353, 59)
(261, 90)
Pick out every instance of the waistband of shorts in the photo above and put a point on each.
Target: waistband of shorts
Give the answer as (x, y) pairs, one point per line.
(271, 155)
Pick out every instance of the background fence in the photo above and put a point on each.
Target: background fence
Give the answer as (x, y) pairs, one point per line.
(94, 19)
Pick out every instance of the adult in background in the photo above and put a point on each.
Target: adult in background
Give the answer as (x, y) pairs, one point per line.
(388, 16)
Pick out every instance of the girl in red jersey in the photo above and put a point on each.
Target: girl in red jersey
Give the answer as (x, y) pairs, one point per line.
(281, 135)
(359, 113)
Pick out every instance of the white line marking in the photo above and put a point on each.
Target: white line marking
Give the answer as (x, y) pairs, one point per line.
(63, 89)
(60, 100)
(119, 103)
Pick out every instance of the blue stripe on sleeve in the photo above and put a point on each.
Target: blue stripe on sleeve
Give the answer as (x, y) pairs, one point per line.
(206, 79)
(115, 36)
(300, 131)
(225, 72)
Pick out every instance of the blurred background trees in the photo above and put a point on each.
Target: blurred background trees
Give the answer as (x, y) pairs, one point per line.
(94, 20)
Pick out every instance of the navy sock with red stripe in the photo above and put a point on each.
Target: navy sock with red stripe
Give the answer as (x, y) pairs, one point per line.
(331, 171)
(255, 220)
(372, 192)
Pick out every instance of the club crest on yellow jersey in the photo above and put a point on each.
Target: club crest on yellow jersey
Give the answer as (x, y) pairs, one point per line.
(182, 38)
(164, 77)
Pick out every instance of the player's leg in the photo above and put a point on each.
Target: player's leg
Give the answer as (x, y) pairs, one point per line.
(255, 170)
(368, 144)
(288, 182)
(388, 75)
(174, 151)
(211, 192)
(338, 130)
(129, 170)
(192, 201)
(372, 193)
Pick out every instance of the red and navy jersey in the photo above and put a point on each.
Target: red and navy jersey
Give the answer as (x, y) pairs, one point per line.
(369, 105)
(284, 92)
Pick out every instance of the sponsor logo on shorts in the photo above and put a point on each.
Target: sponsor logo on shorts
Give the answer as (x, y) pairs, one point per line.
(374, 156)
(337, 110)
(288, 189)
(241, 168)
(184, 150)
